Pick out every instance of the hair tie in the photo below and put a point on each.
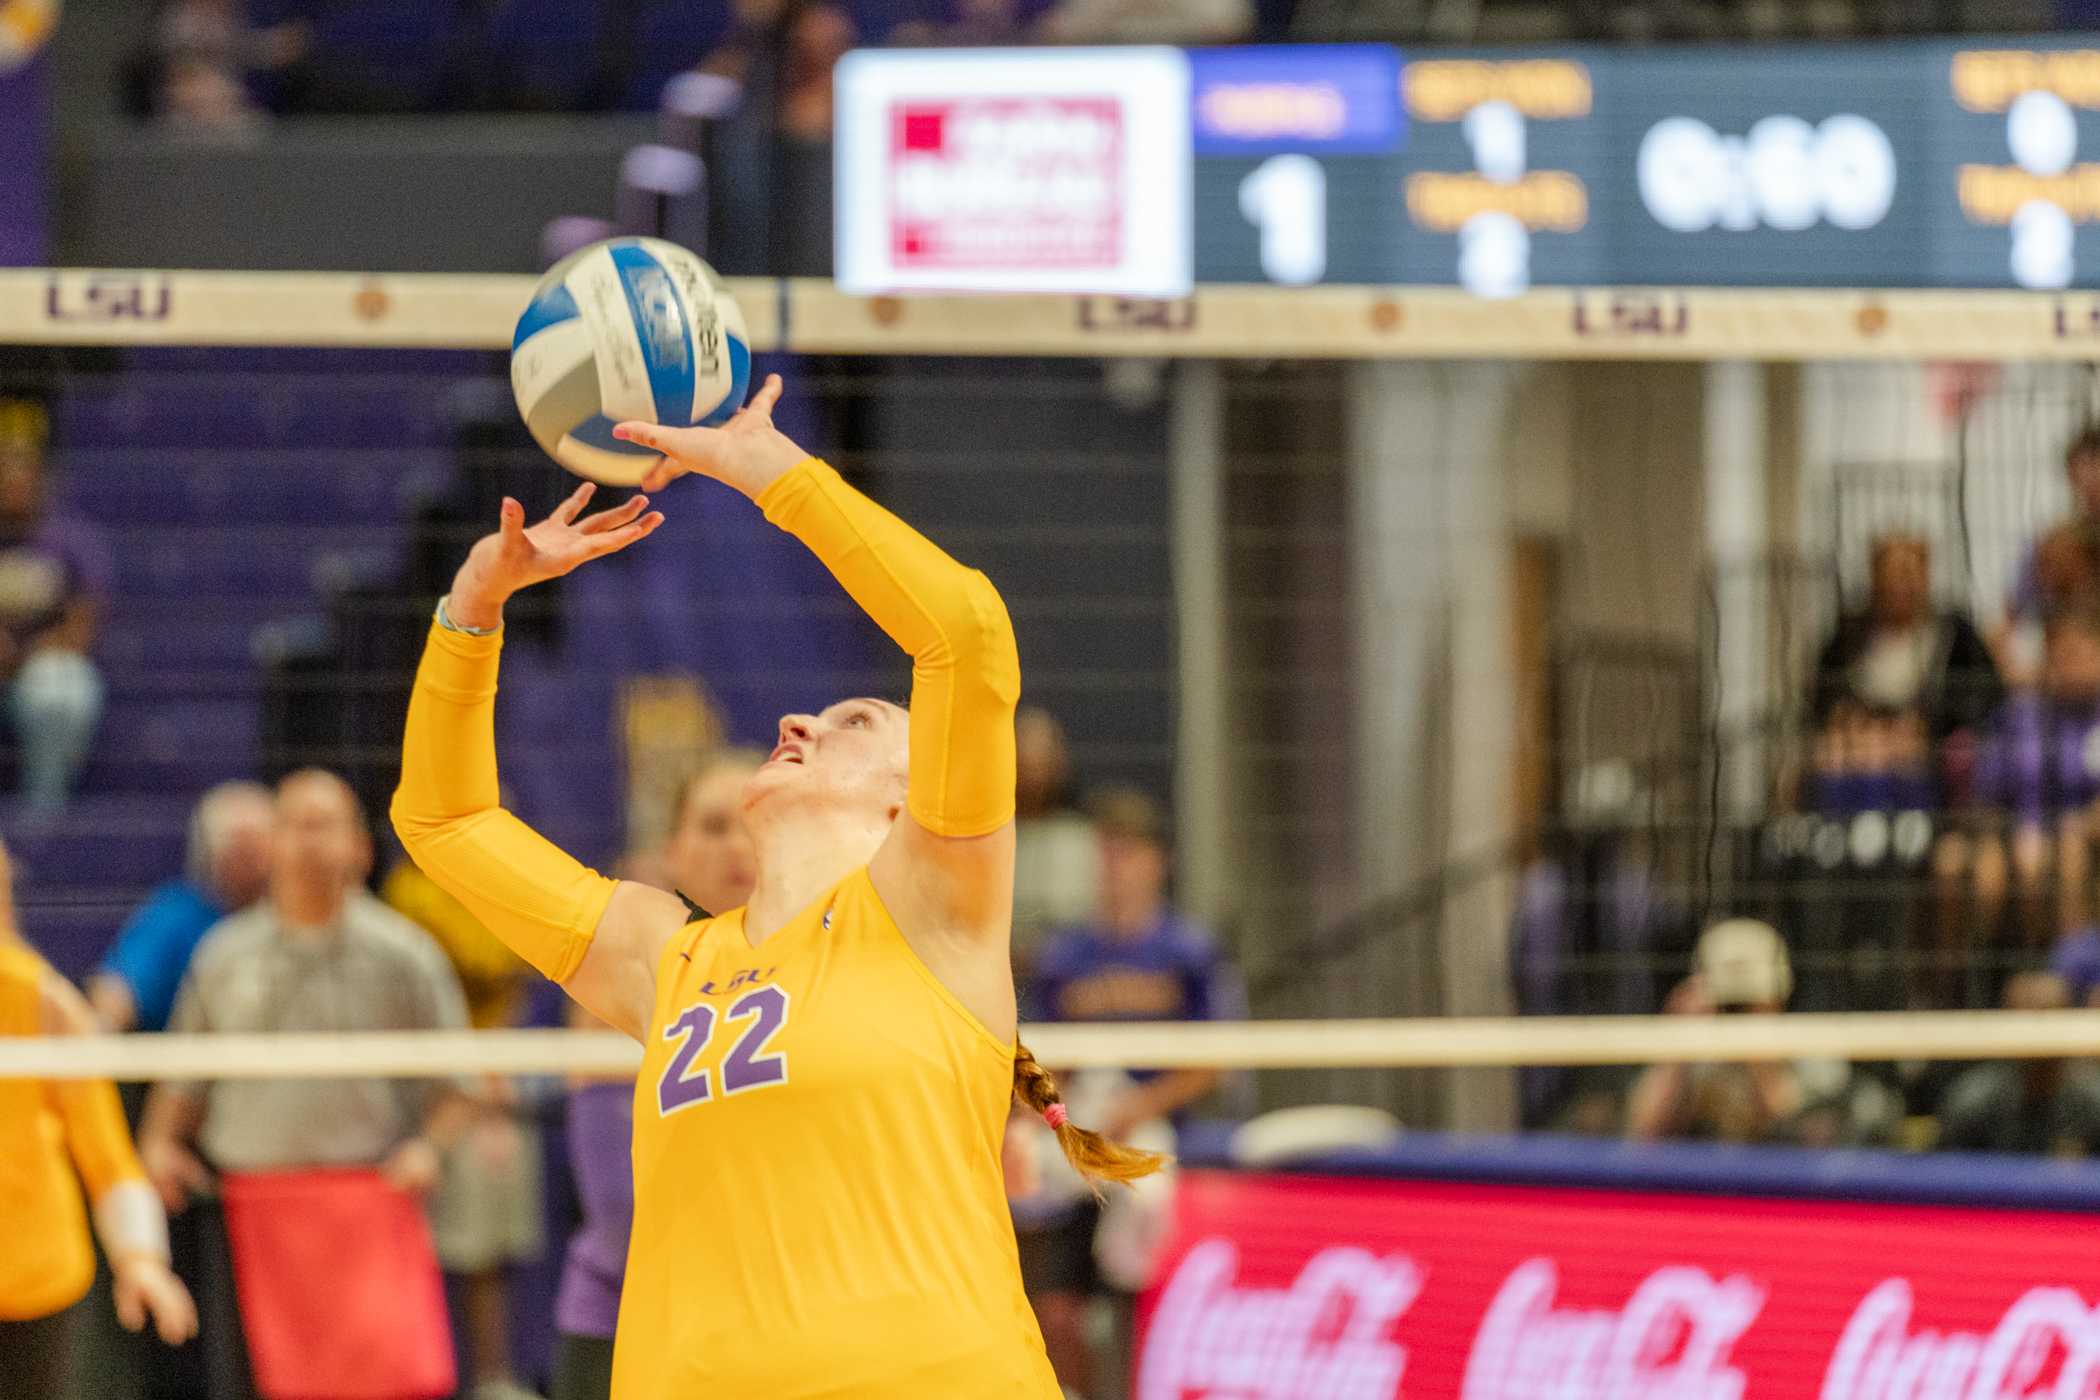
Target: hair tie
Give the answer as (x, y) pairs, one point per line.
(1055, 1115)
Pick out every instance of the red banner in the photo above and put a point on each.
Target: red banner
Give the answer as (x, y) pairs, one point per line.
(1321, 1288)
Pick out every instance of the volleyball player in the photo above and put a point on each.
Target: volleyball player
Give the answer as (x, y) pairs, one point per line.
(48, 1130)
(827, 1071)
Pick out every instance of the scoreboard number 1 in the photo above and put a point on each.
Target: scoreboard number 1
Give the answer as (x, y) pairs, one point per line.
(1285, 198)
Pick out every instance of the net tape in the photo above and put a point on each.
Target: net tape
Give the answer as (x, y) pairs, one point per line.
(1425, 1042)
(808, 316)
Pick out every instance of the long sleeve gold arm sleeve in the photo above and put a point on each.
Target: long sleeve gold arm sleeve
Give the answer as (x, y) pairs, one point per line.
(542, 902)
(126, 1210)
(966, 673)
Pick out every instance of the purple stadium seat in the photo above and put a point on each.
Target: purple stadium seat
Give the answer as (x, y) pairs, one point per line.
(545, 52)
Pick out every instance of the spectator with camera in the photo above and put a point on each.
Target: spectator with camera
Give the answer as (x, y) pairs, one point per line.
(1740, 966)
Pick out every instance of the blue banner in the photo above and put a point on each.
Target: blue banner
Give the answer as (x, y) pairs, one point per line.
(1315, 98)
(24, 123)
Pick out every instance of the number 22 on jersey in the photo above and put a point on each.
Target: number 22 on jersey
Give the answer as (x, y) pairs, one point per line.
(759, 1013)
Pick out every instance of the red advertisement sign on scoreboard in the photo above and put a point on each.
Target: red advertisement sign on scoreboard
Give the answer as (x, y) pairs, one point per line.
(1321, 1288)
(1007, 182)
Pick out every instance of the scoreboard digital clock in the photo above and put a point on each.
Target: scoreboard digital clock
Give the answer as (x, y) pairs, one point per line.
(1143, 171)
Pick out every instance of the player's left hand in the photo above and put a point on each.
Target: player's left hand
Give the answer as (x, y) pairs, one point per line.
(145, 1286)
(518, 556)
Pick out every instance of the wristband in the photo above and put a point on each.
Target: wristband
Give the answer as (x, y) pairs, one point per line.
(129, 1218)
(444, 620)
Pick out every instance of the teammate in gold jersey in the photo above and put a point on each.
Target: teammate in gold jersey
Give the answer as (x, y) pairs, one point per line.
(827, 1071)
(48, 1131)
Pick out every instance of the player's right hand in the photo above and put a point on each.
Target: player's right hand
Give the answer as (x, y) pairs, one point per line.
(747, 453)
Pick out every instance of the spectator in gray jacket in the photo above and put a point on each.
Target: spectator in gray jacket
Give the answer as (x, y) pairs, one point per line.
(2037, 1107)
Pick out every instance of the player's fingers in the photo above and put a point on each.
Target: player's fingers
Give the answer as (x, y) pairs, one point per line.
(512, 518)
(761, 405)
(662, 474)
(616, 517)
(568, 510)
(131, 1307)
(613, 541)
(672, 442)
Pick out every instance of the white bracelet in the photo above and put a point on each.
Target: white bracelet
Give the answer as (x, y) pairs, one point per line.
(444, 620)
(130, 1220)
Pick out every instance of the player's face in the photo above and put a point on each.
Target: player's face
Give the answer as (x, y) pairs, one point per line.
(709, 854)
(854, 752)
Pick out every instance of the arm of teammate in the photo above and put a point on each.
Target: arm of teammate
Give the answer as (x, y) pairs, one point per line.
(128, 1216)
(597, 937)
(948, 872)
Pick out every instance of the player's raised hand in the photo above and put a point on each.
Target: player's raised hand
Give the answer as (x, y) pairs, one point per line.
(747, 452)
(518, 556)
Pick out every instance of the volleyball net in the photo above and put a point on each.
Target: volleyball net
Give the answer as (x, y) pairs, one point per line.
(1472, 646)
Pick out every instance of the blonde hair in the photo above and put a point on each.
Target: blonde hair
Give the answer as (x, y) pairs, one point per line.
(1093, 1156)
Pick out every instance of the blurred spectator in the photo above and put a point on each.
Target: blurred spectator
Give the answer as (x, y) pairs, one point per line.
(1901, 655)
(2075, 960)
(1138, 960)
(226, 866)
(2040, 767)
(770, 157)
(708, 853)
(1057, 859)
(1592, 924)
(54, 575)
(315, 954)
(2063, 565)
(1901, 690)
(978, 24)
(486, 1213)
(2061, 569)
(2036, 1107)
(708, 859)
(808, 38)
(1147, 22)
(1741, 966)
(203, 51)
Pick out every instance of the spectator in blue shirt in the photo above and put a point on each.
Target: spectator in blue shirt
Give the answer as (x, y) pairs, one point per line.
(226, 868)
(1138, 960)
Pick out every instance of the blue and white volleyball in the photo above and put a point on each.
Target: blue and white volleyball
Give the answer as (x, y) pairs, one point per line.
(631, 328)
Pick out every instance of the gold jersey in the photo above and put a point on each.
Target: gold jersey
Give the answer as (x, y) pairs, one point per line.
(819, 1204)
(47, 1130)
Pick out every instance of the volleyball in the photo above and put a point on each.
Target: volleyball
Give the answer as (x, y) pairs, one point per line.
(630, 328)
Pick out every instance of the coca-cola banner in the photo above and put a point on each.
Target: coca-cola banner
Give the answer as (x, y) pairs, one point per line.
(1330, 1288)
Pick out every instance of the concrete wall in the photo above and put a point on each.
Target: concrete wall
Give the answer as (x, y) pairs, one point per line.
(398, 194)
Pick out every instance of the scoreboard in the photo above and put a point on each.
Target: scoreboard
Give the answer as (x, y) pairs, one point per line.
(1941, 164)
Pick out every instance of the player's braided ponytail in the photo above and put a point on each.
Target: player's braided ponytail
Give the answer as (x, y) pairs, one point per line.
(1093, 1156)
